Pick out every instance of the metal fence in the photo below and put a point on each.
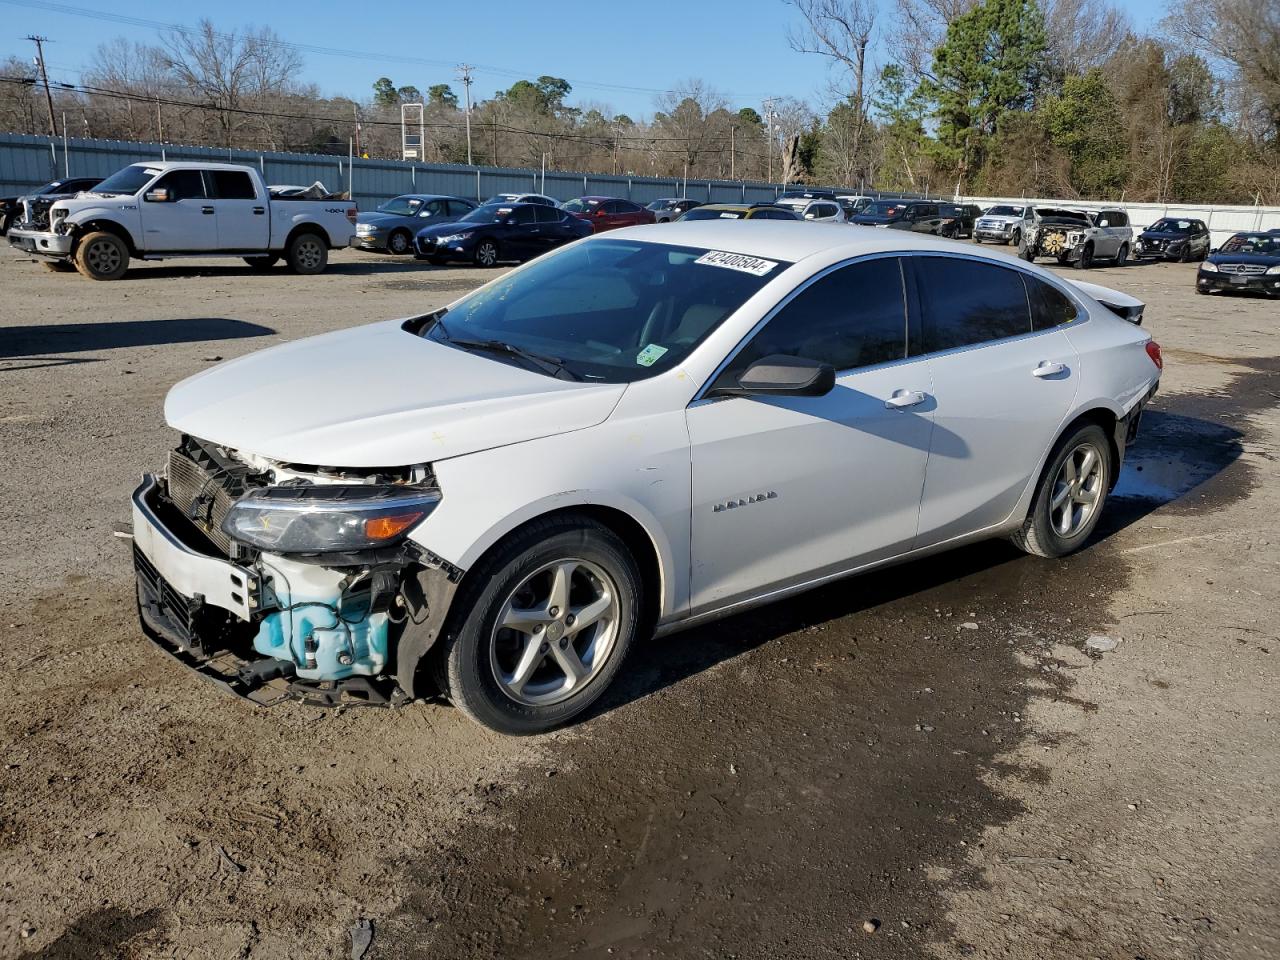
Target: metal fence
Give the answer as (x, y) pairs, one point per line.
(28, 161)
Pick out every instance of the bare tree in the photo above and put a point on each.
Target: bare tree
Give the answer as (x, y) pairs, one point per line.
(231, 71)
(842, 30)
(691, 122)
(1082, 34)
(921, 26)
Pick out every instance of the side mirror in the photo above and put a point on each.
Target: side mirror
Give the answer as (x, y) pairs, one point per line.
(158, 195)
(599, 213)
(783, 376)
(810, 216)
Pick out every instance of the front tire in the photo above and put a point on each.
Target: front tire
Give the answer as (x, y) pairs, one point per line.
(399, 243)
(308, 254)
(1122, 255)
(542, 626)
(102, 256)
(1015, 238)
(1086, 257)
(486, 254)
(1071, 494)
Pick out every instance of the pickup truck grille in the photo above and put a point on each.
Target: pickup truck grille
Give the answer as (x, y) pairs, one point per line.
(204, 487)
(1243, 269)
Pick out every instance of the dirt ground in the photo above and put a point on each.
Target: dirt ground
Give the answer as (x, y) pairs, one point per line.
(762, 787)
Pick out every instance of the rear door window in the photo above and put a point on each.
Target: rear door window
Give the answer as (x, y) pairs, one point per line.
(545, 214)
(523, 215)
(233, 185)
(963, 302)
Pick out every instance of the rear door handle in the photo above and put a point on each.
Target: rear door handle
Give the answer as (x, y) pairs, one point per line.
(1048, 369)
(902, 399)
(206, 209)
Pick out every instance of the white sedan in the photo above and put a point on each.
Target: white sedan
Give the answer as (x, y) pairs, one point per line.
(638, 433)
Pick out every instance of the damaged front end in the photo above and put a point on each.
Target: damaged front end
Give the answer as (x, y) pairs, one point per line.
(279, 580)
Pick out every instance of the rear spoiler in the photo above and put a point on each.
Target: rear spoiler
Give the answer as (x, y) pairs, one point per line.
(1121, 304)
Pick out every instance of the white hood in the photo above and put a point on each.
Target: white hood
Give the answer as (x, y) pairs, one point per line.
(377, 396)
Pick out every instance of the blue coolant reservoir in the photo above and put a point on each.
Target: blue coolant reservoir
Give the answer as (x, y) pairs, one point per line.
(326, 631)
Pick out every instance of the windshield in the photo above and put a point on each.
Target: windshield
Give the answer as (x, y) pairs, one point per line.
(1259, 243)
(1053, 213)
(403, 206)
(711, 213)
(489, 213)
(1002, 211)
(127, 181)
(579, 206)
(610, 310)
(1171, 226)
(887, 208)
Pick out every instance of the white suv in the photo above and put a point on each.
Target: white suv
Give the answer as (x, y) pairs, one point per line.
(635, 434)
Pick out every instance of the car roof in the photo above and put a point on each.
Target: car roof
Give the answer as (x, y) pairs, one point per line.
(796, 239)
(733, 206)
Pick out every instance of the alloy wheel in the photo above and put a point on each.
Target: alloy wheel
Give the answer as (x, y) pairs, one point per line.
(103, 257)
(309, 253)
(1077, 490)
(555, 632)
(487, 254)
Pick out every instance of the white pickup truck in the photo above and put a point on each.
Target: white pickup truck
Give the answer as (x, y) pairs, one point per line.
(155, 211)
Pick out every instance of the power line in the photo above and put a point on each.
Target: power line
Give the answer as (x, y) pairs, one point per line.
(379, 57)
(603, 140)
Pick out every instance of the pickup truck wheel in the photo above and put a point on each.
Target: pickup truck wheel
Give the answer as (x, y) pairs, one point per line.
(102, 256)
(487, 254)
(262, 263)
(1086, 257)
(1015, 238)
(399, 243)
(1071, 495)
(308, 254)
(542, 626)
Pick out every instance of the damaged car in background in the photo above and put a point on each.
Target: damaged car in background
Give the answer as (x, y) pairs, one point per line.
(1075, 237)
(631, 435)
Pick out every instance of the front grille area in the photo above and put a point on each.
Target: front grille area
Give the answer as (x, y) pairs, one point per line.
(203, 486)
(1243, 269)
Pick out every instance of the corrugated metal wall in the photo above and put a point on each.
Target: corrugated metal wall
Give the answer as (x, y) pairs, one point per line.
(27, 162)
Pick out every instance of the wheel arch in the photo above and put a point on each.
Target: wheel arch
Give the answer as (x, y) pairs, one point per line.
(1103, 412)
(103, 225)
(306, 227)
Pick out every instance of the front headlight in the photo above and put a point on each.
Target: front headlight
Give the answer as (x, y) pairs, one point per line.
(364, 229)
(58, 218)
(327, 518)
(457, 237)
(1208, 267)
(1075, 238)
(1273, 271)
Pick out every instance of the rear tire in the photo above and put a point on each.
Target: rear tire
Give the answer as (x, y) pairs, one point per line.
(262, 263)
(308, 254)
(102, 256)
(478, 661)
(1071, 495)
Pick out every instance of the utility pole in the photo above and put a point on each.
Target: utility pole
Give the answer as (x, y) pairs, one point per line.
(732, 131)
(355, 112)
(464, 74)
(44, 76)
(768, 110)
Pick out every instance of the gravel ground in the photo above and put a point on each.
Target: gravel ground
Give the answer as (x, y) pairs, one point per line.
(858, 759)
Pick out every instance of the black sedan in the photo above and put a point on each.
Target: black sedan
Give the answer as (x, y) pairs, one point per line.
(1173, 238)
(921, 216)
(1248, 261)
(391, 227)
(41, 199)
(500, 231)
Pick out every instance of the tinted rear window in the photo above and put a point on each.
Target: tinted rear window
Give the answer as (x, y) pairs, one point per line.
(964, 302)
(1050, 307)
(233, 185)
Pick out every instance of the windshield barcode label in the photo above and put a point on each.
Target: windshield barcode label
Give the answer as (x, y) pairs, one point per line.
(737, 261)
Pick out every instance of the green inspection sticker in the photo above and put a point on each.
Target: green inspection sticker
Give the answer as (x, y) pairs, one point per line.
(650, 355)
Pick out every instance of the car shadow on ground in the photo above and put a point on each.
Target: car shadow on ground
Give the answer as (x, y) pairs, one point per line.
(1175, 456)
(61, 338)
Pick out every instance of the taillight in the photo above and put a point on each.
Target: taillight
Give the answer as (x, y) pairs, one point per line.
(1153, 351)
(351, 214)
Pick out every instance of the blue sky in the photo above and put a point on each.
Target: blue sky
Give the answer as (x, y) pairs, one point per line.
(612, 52)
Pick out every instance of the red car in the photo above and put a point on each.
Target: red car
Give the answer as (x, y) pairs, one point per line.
(608, 213)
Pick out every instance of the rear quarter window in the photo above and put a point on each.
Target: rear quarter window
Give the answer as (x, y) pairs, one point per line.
(966, 302)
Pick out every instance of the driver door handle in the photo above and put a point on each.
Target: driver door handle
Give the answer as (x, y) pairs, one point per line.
(1048, 369)
(902, 399)
(206, 209)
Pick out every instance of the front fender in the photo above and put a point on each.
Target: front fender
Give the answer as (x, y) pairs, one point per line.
(79, 220)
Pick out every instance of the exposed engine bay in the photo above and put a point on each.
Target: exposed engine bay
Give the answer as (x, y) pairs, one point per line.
(291, 577)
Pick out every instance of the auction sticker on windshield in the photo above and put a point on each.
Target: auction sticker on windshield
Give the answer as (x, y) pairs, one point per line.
(650, 355)
(737, 261)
